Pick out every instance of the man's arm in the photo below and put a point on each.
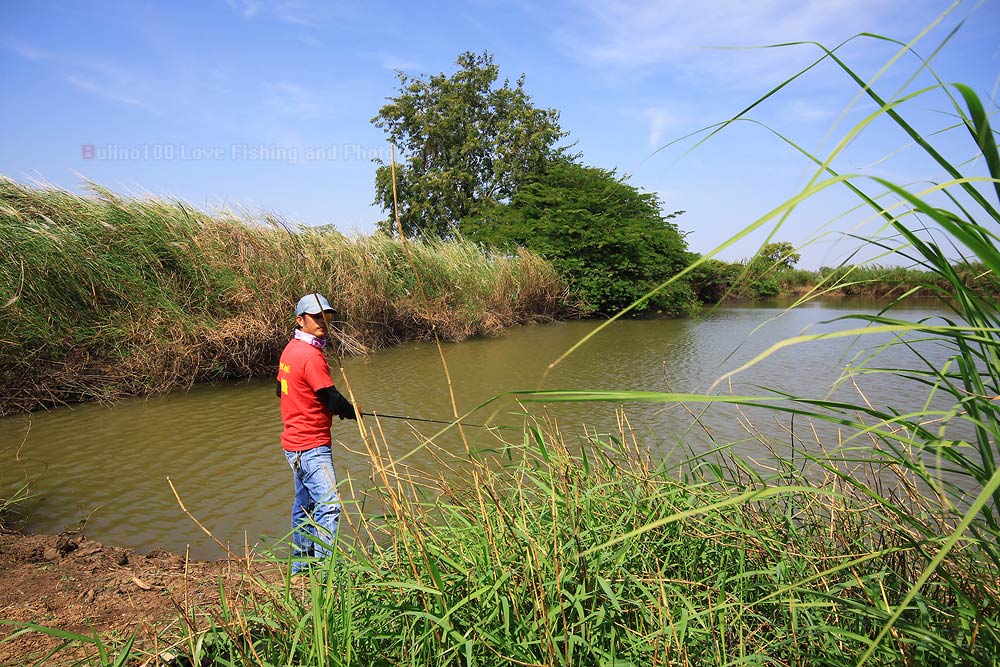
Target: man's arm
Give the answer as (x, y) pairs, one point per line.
(335, 402)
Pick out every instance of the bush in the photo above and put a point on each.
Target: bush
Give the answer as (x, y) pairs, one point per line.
(713, 280)
(609, 241)
(766, 288)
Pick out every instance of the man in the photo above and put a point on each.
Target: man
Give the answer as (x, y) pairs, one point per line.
(308, 402)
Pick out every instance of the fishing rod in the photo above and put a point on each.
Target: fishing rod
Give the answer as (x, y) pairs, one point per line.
(379, 415)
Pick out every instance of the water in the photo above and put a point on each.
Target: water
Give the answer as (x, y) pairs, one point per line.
(108, 467)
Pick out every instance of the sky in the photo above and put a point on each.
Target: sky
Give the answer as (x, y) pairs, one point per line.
(266, 105)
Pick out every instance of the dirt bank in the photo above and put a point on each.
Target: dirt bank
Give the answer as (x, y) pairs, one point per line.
(78, 585)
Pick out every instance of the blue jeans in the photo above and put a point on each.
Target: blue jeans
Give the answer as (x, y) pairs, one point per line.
(316, 508)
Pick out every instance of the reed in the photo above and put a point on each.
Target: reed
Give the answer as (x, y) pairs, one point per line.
(104, 295)
(12, 495)
(889, 282)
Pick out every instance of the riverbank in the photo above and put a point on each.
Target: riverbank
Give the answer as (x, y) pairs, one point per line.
(544, 556)
(106, 296)
(81, 586)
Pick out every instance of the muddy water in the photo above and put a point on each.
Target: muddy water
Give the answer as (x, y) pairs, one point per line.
(109, 467)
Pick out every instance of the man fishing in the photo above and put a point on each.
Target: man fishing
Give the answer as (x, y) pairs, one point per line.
(308, 402)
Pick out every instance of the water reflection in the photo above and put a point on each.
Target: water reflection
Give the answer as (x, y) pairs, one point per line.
(219, 445)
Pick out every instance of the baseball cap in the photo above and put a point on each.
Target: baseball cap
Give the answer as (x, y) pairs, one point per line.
(312, 304)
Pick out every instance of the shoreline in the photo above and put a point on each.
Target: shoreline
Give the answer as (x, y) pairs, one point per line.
(75, 390)
(75, 584)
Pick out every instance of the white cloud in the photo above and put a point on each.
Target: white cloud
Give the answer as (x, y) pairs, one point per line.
(809, 111)
(108, 92)
(394, 63)
(659, 120)
(310, 40)
(92, 75)
(249, 8)
(305, 13)
(26, 51)
(295, 101)
(694, 38)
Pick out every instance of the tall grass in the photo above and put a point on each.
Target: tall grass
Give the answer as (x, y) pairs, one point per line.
(12, 495)
(895, 281)
(714, 281)
(947, 447)
(105, 295)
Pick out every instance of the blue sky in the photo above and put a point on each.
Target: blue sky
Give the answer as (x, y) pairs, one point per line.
(266, 104)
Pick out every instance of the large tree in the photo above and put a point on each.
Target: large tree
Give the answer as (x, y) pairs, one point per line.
(466, 145)
(613, 243)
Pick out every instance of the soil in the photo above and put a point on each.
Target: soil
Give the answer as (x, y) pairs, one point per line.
(78, 585)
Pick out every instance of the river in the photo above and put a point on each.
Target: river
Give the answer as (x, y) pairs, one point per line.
(107, 467)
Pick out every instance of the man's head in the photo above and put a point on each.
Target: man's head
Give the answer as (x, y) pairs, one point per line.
(312, 314)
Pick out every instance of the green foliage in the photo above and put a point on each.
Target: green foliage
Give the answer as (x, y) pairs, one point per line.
(480, 160)
(893, 281)
(713, 280)
(12, 496)
(764, 273)
(765, 288)
(467, 144)
(765, 277)
(767, 274)
(611, 242)
(793, 278)
(773, 257)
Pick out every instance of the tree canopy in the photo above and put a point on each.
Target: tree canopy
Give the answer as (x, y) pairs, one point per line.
(612, 242)
(466, 145)
(775, 256)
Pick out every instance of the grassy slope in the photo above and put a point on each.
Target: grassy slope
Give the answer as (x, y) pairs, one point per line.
(107, 295)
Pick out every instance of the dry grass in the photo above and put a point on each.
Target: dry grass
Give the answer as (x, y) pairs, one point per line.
(104, 295)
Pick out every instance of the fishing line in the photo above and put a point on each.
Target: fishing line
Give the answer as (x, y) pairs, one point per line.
(379, 415)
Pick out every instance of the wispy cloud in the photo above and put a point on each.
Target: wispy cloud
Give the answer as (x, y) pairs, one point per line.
(294, 100)
(109, 92)
(26, 51)
(659, 119)
(393, 62)
(691, 37)
(91, 75)
(310, 40)
(248, 8)
(809, 110)
(304, 13)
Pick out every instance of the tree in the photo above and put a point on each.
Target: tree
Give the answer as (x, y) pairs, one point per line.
(466, 145)
(776, 256)
(611, 242)
(764, 270)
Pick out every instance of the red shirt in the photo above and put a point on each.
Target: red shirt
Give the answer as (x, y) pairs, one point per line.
(302, 371)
